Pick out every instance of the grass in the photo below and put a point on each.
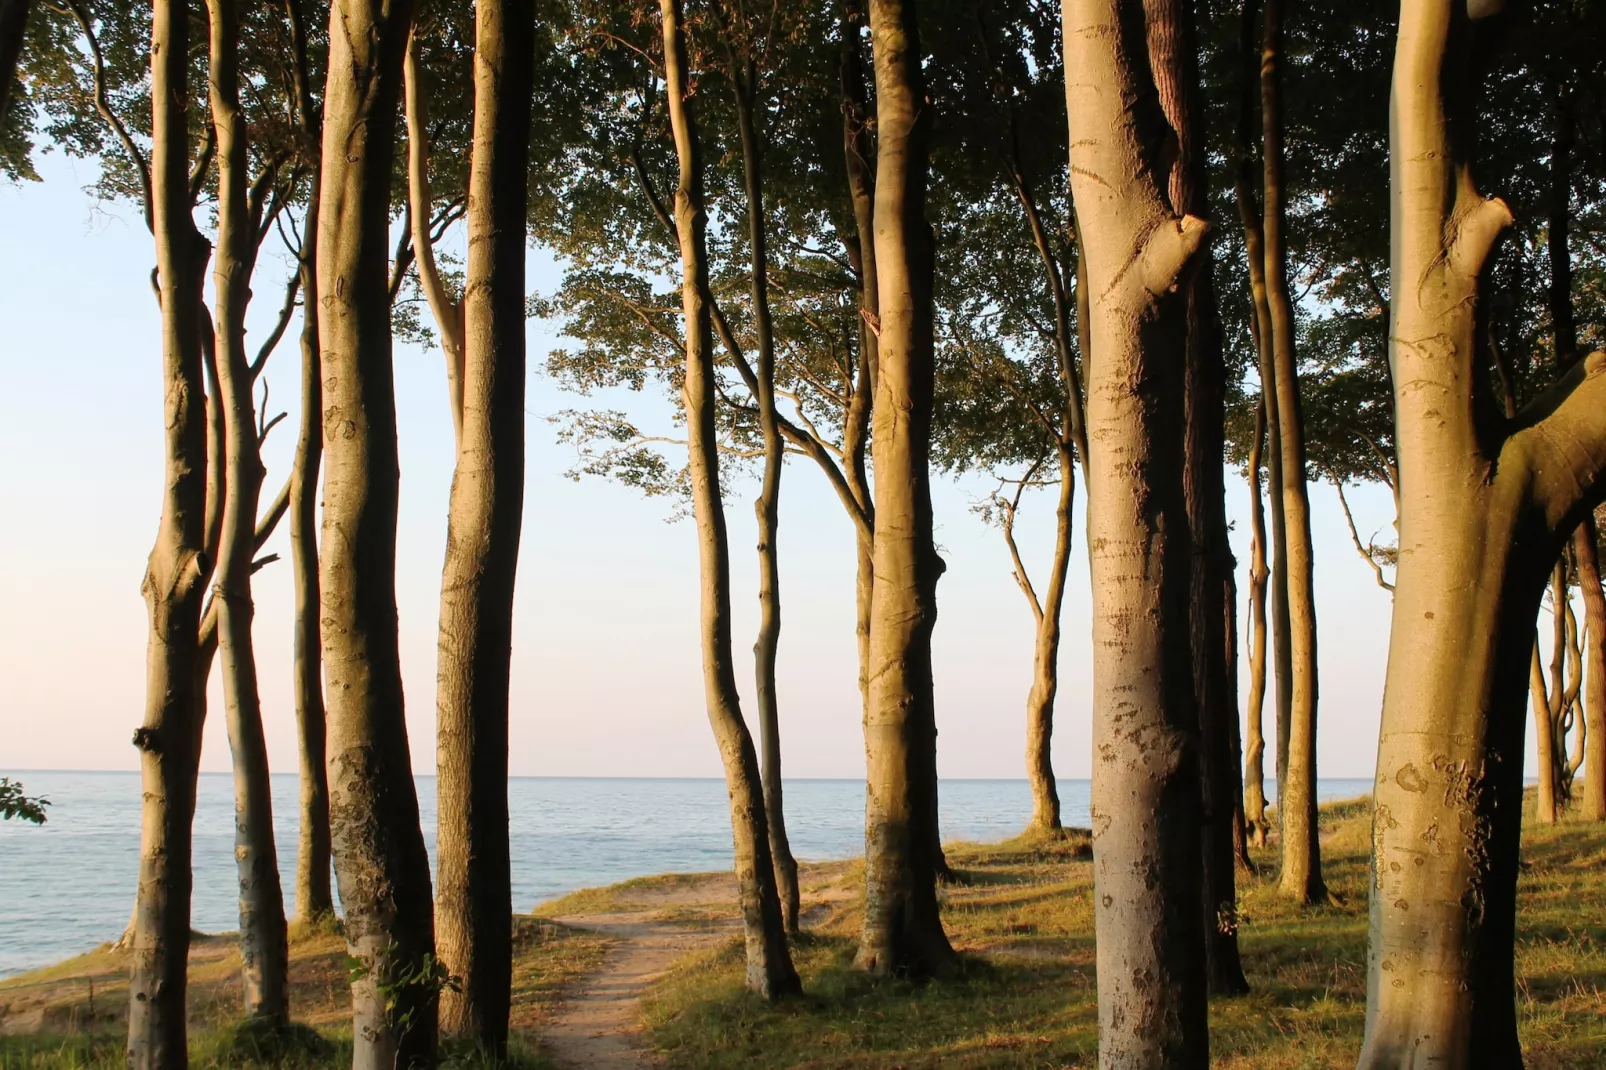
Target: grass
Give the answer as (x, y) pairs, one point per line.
(72, 1016)
(1021, 913)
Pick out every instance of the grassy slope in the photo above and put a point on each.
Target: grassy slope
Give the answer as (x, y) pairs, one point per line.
(1024, 920)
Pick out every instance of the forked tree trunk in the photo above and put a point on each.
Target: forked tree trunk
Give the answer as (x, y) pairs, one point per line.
(474, 911)
(769, 966)
(264, 943)
(1592, 803)
(1138, 248)
(373, 814)
(902, 928)
(1488, 504)
(1255, 749)
(767, 507)
(314, 897)
(1045, 659)
(1296, 789)
(174, 581)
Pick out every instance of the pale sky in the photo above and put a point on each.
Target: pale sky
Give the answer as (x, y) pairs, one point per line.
(606, 670)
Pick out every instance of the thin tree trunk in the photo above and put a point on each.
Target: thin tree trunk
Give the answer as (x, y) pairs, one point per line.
(769, 966)
(767, 507)
(1254, 753)
(1487, 507)
(314, 897)
(264, 944)
(1296, 791)
(902, 928)
(174, 581)
(13, 30)
(1545, 793)
(1138, 247)
(1592, 804)
(1557, 710)
(474, 910)
(1045, 659)
(378, 846)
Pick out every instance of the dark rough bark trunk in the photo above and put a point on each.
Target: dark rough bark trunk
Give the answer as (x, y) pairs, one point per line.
(1139, 248)
(902, 928)
(1296, 788)
(1488, 503)
(767, 507)
(13, 28)
(314, 896)
(474, 909)
(264, 943)
(769, 966)
(379, 856)
(174, 582)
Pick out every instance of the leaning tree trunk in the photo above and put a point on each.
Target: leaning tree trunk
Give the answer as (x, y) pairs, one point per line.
(767, 507)
(769, 966)
(1488, 504)
(314, 897)
(379, 856)
(1139, 249)
(474, 912)
(175, 578)
(264, 943)
(1592, 804)
(1296, 789)
(902, 928)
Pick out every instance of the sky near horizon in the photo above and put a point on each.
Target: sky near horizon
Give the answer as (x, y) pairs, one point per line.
(606, 669)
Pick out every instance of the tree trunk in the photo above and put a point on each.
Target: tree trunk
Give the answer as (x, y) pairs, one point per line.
(314, 897)
(769, 966)
(1254, 754)
(1296, 790)
(1545, 809)
(902, 928)
(1045, 660)
(1489, 503)
(174, 581)
(264, 944)
(474, 911)
(13, 30)
(379, 856)
(767, 508)
(1139, 249)
(1592, 804)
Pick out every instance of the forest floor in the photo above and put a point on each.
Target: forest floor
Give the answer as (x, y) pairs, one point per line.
(649, 973)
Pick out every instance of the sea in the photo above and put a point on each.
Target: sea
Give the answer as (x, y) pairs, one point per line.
(68, 885)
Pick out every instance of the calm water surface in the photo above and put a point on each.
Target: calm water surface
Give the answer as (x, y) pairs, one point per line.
(69, 885)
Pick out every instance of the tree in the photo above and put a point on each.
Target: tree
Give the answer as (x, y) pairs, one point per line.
(1139, 248)
(475, 906)
(1487, 503)
(378, 846)
(17, 806)
(13, 29)
(902, 929)
(769, 966)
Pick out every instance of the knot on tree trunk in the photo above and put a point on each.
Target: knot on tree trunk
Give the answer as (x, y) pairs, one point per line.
(147, 740)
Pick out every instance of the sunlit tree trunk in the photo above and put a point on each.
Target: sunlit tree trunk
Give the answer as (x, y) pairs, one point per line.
(379, 856)
(1487, 505)
(1139, 249)
(474, 908)
(175, 578)
(902, 929)
(1255, 749)
(769, 966)
(1592, 801)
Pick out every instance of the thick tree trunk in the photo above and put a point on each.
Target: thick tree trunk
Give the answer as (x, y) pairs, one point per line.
(474, 910)
(379, 856)
(902, 928)
(769, 966)
(1489, 505)
(1255, 751)
(314, 897)
(767, 507)
(1146, 838)
(264, 943)
(1296, 789)
(175, 579)
(13, 29)
(1592, 804)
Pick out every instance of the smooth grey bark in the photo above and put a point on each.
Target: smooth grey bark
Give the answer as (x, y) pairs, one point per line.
(1139, 248)
(474, 907)
(175, 578)
(1486, 506)
(378, 846)
(769, 966)
(902, 927)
